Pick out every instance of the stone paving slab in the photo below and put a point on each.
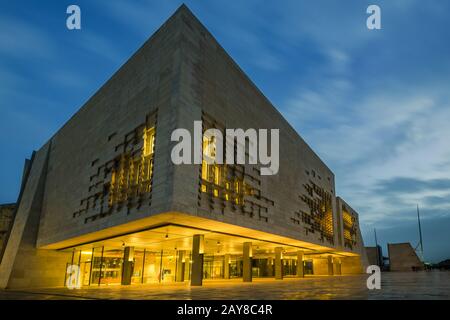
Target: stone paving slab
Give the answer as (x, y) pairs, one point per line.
(394, 286)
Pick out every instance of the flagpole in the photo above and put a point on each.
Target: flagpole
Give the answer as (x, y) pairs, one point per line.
(376, 245)
(420, 232)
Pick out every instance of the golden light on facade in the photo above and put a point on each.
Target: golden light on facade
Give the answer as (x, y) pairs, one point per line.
(201, 245)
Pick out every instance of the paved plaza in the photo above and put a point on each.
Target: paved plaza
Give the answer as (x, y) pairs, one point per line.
(412, 285)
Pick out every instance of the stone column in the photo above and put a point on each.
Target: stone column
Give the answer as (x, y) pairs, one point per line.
(239, 268)
(247, 262)
(279, 263)
(197, 260)
(128, 265)
(270, 266)
(330, 265)
(337, 266)
(300, 268)
(179, 277)
(226, 267)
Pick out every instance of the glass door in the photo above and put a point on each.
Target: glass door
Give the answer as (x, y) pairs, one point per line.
(111, 267)
(213, 267)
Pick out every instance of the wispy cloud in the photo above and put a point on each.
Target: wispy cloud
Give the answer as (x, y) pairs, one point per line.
(140, 16)
(19, 39)
(374, 113)
(101, 46)
(409, 185)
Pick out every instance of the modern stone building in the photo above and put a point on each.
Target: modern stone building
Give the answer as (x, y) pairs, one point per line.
(103, 194)
(6, 218)
(375, 256)
(403, 257)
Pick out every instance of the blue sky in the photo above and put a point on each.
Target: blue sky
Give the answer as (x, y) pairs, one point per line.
(375, 105)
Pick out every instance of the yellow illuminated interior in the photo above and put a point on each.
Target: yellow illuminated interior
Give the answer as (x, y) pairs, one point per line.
(132, 174)
(349, 228)
(149, 142)
(218, 180)
(319, 217)
(158, 252)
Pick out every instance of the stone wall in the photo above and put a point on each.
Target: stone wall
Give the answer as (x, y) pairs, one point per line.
(214, 87)
(374, 256)
(6, 219)
(24, 266)
(403, 257)
(353, 265)
(147, 84)
(354, 242)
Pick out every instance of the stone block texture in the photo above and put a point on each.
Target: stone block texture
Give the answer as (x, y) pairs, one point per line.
(403, 257)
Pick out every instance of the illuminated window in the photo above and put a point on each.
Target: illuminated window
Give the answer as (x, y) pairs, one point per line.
(146, 166)
(349, 228)
(112, 188)
(149, 141)
(132, 174)
(219, 180)
(210, 172)
(205, 168)
(209, 148)
(216, 175)
(319, 217)
(237, 188)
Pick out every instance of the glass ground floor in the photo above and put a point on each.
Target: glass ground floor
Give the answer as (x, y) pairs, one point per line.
(174, 253)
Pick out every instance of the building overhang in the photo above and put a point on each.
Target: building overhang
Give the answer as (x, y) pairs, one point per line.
(196, 225)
